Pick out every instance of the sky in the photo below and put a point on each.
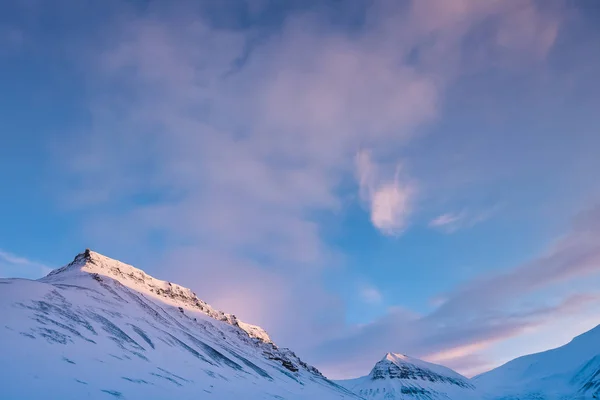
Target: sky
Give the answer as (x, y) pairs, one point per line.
(357, 177)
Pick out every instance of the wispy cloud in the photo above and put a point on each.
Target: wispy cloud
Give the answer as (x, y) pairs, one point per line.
(245, 158)
(445, 220)
(389, 199)
(370, 294)
(487, 310)
(242, 138)
(573, 256)
(454, 221)
(14, 266)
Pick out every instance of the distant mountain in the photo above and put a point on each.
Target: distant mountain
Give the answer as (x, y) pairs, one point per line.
(571, 371)
(398, 376)
(101, 329)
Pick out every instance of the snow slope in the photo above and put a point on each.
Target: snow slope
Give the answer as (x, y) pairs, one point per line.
(571, 371)
(101, 329)
(398, 376)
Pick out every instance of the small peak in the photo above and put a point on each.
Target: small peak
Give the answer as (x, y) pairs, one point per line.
(93, 257)
(86, 255)
(401, 366)
(394, 357)
(78, 262)
(90, 262)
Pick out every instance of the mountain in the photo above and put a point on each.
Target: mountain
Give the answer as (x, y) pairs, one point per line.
(571, 371)
(398, 376)
(101, 329)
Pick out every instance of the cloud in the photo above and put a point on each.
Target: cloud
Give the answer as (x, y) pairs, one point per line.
(446, 219)
(14, 266)
(389, 200)
(573, 256)
(389, 206)
(268, 296)
(528, 31)
(213, 151)
(459, 352)
(485, 311)
(371, 294)
(454, 221)
(452, 339)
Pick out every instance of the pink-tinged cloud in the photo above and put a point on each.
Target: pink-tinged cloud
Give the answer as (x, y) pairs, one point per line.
(239, 151)
(486, 311)
(388, 198)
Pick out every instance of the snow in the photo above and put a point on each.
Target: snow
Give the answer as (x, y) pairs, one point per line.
(94, 263)
(255, 331)
(101, 329)
(567, 372)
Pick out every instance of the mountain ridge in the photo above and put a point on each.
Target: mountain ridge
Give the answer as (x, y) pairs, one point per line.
(97, 265)
(98, 328)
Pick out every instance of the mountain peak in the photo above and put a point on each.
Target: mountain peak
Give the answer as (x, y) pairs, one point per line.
(99, 267)
(395, 357)
(395, 366)
(398, 376)
(88, 261)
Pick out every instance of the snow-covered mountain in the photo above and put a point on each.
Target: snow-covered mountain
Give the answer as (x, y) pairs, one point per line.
(398, 376)
(571, 371)
(101, 329)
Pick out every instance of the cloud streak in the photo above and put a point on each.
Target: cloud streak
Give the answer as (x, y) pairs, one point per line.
(454, 221)
(487, 310)
(12, 265)
(228, 144)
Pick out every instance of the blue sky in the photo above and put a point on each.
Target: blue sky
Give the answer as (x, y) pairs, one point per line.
(357, 177)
